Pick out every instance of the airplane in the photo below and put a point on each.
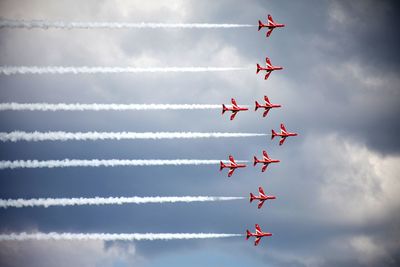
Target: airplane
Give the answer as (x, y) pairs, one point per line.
(258, 234)
(232, 166)
(269, 68)
(283, 134)
(261, 197)
(267, 106)
(266, 160)
(235, 108)
(271, 25)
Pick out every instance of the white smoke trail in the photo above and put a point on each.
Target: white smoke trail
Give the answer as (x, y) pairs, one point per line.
(43, 24)
(79, 136)
(47, 202)
(98, 107)
(110, 237)
(9, 70)
(16, 164)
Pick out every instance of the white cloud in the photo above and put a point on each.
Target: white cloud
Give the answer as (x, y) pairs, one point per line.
(358, 186)
(365, 78)
(354, 13)
(67, 253)
(364, 249)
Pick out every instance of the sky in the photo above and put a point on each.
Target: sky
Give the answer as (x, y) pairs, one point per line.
(337, 183)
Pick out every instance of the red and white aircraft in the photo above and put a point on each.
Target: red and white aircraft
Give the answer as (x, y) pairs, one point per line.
(235, 108)
(283, 134)
(267, 106)
(258, 234)
(271, 25)
(261, 197)
(268, 68)
(232, 165)
(266, 160)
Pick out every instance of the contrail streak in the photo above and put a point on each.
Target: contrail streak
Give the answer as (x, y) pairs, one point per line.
(9, 70)
(110, 237)
(16, 164)
(80, 136)
(44, 24)
(47, 202)
(98, 107)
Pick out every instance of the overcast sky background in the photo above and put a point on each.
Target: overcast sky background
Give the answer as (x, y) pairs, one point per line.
(337, 185)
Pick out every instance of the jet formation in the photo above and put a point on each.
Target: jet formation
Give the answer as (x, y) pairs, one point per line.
(266, 106)
(235, 108)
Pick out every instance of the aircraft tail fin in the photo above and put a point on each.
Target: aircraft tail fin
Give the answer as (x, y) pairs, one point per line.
(255, 161)
(221, 165)
(224, 108)
(248, 234)
(260, 25)
(273, 134)
(257, 106)
(252, 197)
(258, 68)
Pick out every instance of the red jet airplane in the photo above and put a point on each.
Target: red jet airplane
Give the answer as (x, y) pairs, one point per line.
(235, 108)
(261, 197)
(283, 134)
(232, 166)
(267, 106)
(269, 68)
(271, 25)
(258, 234)
(266, 160)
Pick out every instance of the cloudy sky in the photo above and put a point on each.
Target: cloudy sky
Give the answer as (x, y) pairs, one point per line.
(337, 184)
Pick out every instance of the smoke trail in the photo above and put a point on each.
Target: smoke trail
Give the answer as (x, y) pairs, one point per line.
(43, 24)
(98, 107)
(79, 136)
(16, 164)
(9, 70)
(110, 237)
(47, 202)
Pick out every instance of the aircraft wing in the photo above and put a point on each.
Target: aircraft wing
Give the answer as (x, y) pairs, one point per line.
(258, 229)
(270, 19)
(265, 154)
(268, 61)
(230, 172)
(282, 141)
(267, 75)
(261, 191)
(266, 99)
(283, 128)
(266, 112)
(257, 241)
(269, 32)
(233, 115)
(231, 159)
(233, 101)
(260, 204)
(264, 167)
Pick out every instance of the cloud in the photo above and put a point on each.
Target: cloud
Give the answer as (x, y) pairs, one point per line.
(67, 253)
(358, 186)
